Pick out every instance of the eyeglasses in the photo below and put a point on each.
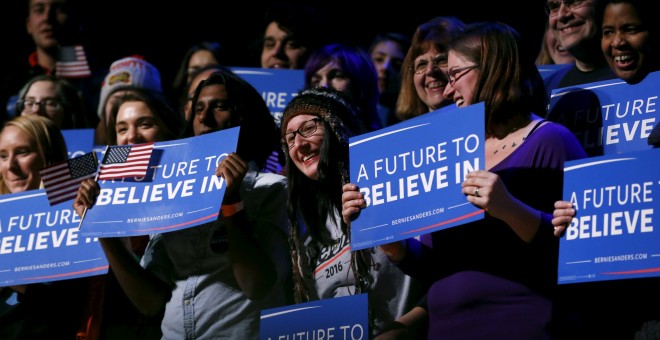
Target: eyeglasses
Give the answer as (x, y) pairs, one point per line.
(451, 75)
(436, 61)
(552, 7)
(47, 104)
(305, 129)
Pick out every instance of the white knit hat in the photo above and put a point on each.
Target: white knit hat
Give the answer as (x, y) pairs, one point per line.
(129, 72)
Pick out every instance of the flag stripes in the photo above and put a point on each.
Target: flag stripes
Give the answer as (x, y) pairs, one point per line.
(126, 161)
(61, 180)
(72, 63)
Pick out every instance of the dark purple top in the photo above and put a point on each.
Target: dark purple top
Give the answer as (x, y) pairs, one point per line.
(485, 281)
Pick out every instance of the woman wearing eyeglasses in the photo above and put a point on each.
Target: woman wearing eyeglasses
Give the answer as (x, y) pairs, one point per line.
(53, 98)
(495, 277)
(423, 73)
(316, 126)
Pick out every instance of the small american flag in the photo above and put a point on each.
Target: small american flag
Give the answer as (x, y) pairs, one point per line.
(61, 180)
(72, 63)
(126, 161)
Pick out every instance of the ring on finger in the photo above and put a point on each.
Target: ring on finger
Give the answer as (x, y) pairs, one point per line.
(476, 192)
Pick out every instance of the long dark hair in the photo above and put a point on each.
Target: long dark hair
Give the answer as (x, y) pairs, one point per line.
(310, 202)
(182, 74)
(183, 77)
(259, 135)
(356, 63)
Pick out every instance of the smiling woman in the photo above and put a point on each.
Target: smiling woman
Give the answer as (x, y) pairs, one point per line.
(305, 130)
(422, 86)
(42, 310)
(515, 232)
(316, 127)
(19, 161)
(630, 38)
(235, 265)
(27, 145)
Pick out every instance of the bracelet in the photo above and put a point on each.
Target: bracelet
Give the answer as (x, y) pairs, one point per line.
(231, 209)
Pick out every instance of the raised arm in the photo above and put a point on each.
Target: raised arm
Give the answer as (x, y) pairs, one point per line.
(253, 267)
(148, 293)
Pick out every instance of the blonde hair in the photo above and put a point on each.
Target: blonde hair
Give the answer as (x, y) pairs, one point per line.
(48, 138)
(544, 57)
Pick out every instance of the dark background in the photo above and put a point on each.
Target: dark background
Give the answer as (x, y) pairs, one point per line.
(162, 31)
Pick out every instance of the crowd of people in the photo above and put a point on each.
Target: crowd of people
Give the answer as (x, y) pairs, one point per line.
(289, 201)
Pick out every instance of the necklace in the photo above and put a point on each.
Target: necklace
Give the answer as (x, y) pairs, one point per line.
(512, 140)
(503, 147)
(514, 137)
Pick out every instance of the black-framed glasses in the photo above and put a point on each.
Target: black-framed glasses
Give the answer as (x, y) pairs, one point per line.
(305, 129)
(437, 61)
(452, 75)
(552, 6)
(46, 104)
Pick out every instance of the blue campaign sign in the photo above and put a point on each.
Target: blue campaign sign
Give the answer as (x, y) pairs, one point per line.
(78, 141)
(40, 243)
(277, 86)
(613, 235)
(611, 116)
(411, 173)
(340, 318)
(180, 190)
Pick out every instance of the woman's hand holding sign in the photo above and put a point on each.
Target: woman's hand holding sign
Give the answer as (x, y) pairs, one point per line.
(352, 202)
